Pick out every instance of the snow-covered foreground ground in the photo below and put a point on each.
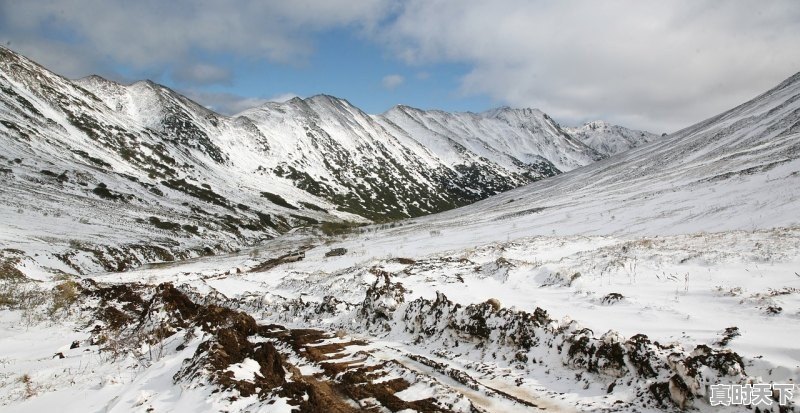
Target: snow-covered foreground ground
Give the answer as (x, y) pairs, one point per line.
(428, 318)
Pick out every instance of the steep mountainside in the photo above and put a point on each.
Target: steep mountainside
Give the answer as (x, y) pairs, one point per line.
(739, 170)
(376, 169)
(608, 139)
(630, 285)
(111, 174)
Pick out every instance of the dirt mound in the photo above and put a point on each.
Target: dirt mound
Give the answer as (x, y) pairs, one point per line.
(241, 358)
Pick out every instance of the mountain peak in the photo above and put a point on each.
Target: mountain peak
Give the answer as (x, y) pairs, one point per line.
(327, 100)
(401, 108)
(597, 124)
(504, 111)
(95, 78)
(609, 139)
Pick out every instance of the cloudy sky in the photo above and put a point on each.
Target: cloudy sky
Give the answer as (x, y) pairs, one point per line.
(656, 65)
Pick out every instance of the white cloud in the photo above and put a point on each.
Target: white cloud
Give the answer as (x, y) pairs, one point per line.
(202, 74)
(283, 97)
(224, 103)
(642, 63)
(391, 82)
(148, 33)
(230, 103)
(649, 64)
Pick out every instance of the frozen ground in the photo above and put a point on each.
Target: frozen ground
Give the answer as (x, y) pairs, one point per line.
(681, 291)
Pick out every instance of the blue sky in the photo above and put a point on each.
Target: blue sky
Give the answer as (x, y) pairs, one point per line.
(347, 66)
(646, 64)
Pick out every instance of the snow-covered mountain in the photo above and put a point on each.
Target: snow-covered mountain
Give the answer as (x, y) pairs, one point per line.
(717, 175)
(112, 175)
(632, 284)
(608, 139)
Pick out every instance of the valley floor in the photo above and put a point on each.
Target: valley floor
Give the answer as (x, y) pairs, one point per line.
(552, 323)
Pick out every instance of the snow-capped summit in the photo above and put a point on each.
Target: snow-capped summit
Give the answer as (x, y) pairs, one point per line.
(525, 141)
(608, 139)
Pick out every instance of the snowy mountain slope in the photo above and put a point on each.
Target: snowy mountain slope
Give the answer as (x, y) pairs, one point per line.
(680, 254)
(98, 188)
(631, 284)
(736, 171)
(520, 140)
(608, 139)
(411, 165)
(690, 242)
(111, 175)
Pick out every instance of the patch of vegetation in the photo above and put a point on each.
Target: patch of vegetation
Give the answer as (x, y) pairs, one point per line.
(494, 304)
(9, 270)
(19, 294)
(339, 228)
(204, 194)
(313, 207)
(64, 295)
(163, 154)
(170, 226)
(61, 178)
(278, 200)
(729, 334)
(309, 220)
(303, 181)
(96, 161)
(22, 101)
(178, 126)
(103, 192)
(232, 223)
(13, 126)
(27, 382)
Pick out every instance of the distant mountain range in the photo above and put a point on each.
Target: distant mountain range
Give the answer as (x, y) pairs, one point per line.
(608, 139)
(92, 164)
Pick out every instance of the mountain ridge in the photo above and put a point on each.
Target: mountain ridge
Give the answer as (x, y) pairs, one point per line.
(103, 165)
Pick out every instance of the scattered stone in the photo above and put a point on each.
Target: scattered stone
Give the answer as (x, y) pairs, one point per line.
(729, 334)
(612, 298)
